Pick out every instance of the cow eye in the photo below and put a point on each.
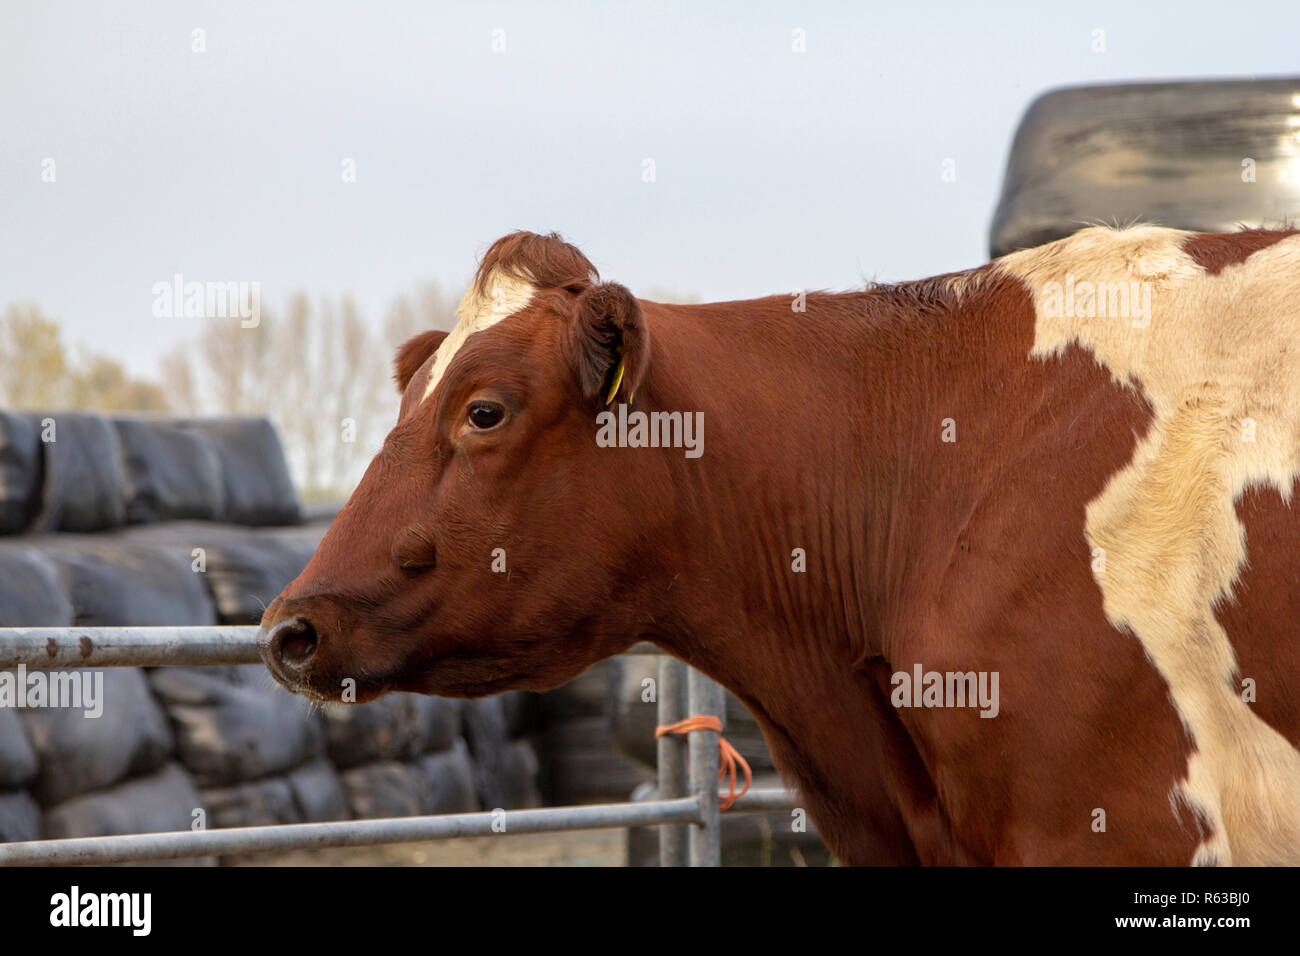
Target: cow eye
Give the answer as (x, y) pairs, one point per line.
(483, 415)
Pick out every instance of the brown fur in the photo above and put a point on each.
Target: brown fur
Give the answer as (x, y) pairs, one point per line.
(1214, 251)
(823, 434)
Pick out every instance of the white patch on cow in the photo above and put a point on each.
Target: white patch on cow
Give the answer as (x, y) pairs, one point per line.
(503, 296)
(1214, 351)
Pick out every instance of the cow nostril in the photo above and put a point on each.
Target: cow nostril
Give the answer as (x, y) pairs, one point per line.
(294, 642)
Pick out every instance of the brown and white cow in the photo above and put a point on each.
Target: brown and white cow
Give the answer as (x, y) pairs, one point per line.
(1070, 468)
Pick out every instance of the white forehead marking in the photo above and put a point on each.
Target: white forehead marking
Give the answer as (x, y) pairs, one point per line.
(505, 295)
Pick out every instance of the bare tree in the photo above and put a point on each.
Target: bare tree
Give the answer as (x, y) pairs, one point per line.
(364, 405)
(300, 385)
(178, 382)
(319, 372)
(429, 307)
(239, 362)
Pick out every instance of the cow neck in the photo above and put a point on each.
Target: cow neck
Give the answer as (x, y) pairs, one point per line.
(866, 492)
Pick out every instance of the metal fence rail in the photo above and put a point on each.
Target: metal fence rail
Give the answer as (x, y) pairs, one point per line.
(686, 811)
(62, 647)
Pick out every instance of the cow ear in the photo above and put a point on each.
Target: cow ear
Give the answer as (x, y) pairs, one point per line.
(608, 344)
(412, 356)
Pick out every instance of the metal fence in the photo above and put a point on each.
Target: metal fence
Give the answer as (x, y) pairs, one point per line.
(686, 810)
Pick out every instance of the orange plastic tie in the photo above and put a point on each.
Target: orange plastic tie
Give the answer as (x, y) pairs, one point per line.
(728, 756)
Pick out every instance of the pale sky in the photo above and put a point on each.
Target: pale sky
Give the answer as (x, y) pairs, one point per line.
(774, 170)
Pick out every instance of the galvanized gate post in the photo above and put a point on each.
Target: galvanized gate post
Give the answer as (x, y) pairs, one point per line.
(705, 697)
(671, 756)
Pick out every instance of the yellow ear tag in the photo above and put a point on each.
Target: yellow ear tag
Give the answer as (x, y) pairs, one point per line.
(618, 380)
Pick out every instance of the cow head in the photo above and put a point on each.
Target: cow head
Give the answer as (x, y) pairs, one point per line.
(478, 553)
